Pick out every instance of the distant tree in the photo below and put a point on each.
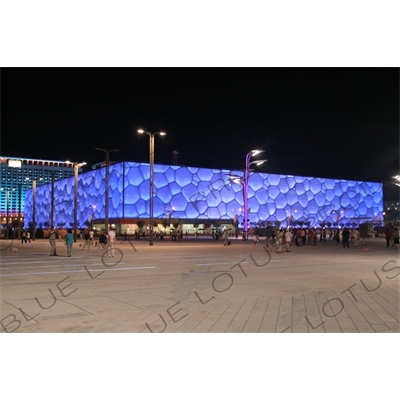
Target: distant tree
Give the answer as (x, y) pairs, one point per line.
(46, 224)
(165, 223)
(329, 224)
(175, 223)
(140, 224)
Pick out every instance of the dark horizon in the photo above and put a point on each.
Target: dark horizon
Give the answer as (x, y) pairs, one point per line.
(340, 123)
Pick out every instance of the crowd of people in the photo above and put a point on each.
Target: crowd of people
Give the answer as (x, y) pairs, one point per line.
(302, 237)
(101, 240)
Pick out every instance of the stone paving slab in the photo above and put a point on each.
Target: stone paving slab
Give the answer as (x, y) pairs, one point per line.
(200, 286)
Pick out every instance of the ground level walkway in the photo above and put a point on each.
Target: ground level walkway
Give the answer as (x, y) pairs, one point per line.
(200, 286)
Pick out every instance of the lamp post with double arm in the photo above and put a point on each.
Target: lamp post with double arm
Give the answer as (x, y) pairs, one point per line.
(76, 169)
(244, 181)
(151, 156)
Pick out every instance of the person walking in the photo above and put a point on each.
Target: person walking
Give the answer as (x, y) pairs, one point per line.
(279, 239)
(111, 242)
(288, 239)
(52, 239)
(388, 237)
(103, 240)
(28, 237)
(69, 240)
(345, 238)
(396, 238)
(23, 237)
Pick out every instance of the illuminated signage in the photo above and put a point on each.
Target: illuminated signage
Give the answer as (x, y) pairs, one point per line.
(15, 163)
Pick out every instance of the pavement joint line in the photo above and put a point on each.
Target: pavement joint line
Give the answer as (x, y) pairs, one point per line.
(59, 266)
(79, 270)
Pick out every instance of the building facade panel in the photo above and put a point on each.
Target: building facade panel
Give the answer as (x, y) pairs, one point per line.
(192, 193)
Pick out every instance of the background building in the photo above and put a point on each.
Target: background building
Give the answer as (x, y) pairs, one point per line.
(198, 195)
(17, 175)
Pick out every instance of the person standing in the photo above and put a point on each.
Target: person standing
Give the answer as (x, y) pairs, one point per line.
(288, 239)
(255, 236)
(28, 237)
(225, 236)
(69, 240)
(23, 237)
(356, 234)
(52, 239)
(337, 237)
(111, 242)
(268, 235)
(86, 243)
(279, 239)
(363, 236)
(345, 238)
(91, 237)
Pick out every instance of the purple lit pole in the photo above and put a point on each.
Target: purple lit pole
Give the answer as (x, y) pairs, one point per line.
(34, 209)
(245, 183)
(151, 188)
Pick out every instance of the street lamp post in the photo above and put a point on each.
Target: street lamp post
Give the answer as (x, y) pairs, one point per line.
(33, 205)
(107, 152)
(19, 210)
(92, 216)
(7, 210)
(52, 200)
(8, 213)
(34, 209)
(245, 184)
(151, 188)
(76, 169)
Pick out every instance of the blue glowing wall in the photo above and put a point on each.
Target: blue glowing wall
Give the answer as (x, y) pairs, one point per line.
(206, 194)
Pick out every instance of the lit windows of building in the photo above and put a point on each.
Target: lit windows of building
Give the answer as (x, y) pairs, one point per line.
(16, 174)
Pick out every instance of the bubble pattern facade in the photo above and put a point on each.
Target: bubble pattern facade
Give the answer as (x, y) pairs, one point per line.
(198, 193)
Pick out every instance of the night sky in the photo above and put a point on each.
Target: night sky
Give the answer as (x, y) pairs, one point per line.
(324, 122)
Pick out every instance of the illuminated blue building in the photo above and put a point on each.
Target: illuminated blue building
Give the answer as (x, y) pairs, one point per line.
(205, 195)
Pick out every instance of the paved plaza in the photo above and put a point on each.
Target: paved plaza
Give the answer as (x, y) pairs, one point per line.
(198, 285)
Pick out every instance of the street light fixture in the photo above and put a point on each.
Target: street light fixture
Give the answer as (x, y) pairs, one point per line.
(151, 156)
(76, 168)
(34, 205)
(245, 184)
(7, 211)
(107, 152)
